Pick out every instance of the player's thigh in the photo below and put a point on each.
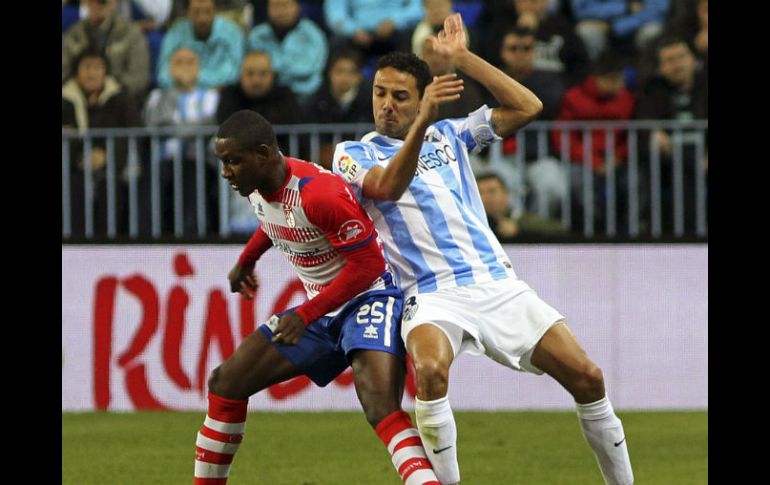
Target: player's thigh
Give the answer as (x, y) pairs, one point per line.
(560, 355)
(256, 365)
(378, 373)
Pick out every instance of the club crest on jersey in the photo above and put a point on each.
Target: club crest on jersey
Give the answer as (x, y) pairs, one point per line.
(347, 167)
(289, 216)
(411, 308)
(350, 230)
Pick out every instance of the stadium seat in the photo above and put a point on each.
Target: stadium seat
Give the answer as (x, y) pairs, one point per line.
(69, 16)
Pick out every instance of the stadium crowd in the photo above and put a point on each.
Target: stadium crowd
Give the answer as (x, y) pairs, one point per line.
(128, 63)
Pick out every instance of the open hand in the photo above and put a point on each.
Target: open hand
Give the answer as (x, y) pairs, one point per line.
(443, 89)
(451, 41)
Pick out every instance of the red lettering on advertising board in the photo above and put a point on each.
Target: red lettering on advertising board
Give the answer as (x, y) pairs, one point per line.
(217, 332)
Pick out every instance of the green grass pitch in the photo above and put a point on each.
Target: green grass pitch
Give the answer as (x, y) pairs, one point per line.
(339, 448)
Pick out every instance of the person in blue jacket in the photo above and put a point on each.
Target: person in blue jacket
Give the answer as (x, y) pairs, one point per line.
(297, 46)
(219, 43)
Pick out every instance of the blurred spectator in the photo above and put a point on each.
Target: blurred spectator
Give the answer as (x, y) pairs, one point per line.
(373, 26)
(219, 43)
(473, 93)
(121, 41)
(297, 47)
(627, 26)
(559, 48)
(343, 98)
(543, 174)
(258, 91)
(601, 96)
(518, 52)
(92, 98)
(245, 13)
(691, 21)
(184, 104)
(679, 92)
(435, 13)
(506, 222)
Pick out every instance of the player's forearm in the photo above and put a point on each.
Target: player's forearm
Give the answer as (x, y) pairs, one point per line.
(255, 248)
(518, 105)
(400, 171)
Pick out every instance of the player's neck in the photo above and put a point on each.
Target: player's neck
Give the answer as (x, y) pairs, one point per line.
(278, 179)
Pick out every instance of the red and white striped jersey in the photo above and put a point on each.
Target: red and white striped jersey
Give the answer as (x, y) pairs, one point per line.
(311, 218)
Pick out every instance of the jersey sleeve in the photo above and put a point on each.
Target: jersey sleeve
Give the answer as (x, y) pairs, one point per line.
(352, 161)
(476, 129)
(330, 205)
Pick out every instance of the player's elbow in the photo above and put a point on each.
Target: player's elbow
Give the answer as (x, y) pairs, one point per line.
(533, 109)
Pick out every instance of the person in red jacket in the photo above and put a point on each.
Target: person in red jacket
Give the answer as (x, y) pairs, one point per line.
(351, 317)
(601, 96)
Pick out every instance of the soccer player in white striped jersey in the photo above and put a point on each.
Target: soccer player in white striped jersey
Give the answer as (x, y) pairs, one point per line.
(461, 293)
(351, 317)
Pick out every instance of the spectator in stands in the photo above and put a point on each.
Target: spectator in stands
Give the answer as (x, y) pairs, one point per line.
(473, 93)
(372, 26)
(92, 98)
(184, 104)
(601, 96)
(559, 48)
(679, 92)
(543, 174)
(258, 91)
(219, 43)
(297, 46)
(345, 97)
(506, 222)
(691, 21)
(119, 39)
(433, 22)
(626, 26)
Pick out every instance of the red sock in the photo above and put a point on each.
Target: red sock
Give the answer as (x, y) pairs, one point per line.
(405, 447)
(219, 439)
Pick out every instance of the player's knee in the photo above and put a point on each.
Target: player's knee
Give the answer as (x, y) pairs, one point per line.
(220, 385)
(432, 379)
(592, 382)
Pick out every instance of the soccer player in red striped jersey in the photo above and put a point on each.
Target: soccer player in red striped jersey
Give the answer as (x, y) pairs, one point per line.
(352, 316)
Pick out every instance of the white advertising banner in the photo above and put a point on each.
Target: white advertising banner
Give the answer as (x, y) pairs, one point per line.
(143, 326)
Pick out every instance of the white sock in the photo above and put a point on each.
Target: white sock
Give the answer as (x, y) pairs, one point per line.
(604, 433)
(438, 431)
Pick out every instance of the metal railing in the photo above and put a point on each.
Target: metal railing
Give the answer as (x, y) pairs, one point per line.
(142, 183)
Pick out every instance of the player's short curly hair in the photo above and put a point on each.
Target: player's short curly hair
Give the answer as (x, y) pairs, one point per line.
(249, 129)
(409, 63)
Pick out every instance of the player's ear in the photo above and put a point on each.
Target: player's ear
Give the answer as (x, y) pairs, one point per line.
(264, 151)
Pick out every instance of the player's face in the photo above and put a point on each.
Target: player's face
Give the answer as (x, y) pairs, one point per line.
(245, 170)
(395, 100)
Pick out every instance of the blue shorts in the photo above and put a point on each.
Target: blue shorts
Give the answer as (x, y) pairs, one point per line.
(371, 321)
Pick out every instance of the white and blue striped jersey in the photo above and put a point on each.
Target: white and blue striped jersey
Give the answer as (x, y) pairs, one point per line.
(436, 235)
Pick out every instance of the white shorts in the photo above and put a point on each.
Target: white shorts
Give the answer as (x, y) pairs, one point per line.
(502, 319)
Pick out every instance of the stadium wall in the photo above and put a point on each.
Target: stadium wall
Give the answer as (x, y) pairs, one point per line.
(142, 326)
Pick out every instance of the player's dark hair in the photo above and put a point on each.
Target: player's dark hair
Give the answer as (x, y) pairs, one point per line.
(249, 129)
(409, 63)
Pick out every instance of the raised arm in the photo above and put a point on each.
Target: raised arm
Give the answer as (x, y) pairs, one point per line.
(518, 105)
